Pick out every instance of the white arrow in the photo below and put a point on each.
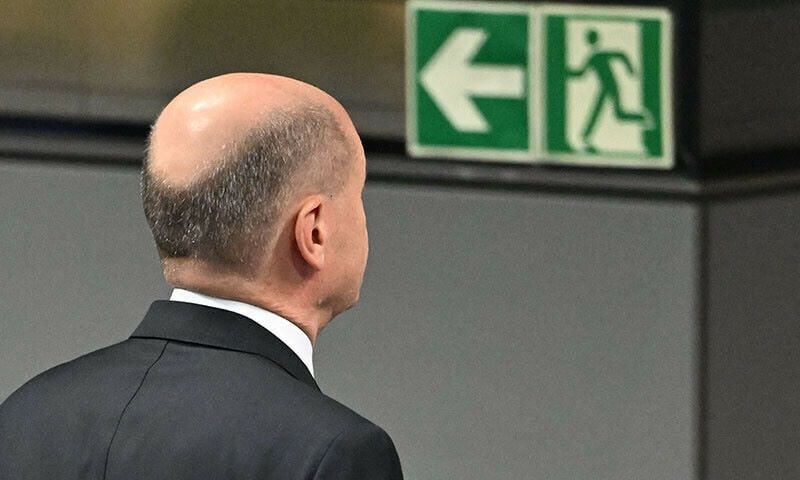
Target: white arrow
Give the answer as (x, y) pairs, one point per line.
(451, 80)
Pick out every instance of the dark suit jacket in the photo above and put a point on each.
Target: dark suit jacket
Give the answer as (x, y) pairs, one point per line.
(196, 392)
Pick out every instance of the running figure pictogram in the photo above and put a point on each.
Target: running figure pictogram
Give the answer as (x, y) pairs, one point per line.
(600, 62)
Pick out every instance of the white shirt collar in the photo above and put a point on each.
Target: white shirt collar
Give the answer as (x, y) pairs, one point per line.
(286, 331)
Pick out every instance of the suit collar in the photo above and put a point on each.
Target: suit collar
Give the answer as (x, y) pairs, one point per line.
(286, 331)
(191, 323)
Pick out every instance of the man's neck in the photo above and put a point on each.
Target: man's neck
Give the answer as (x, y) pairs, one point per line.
(290, 303)
(283, 329)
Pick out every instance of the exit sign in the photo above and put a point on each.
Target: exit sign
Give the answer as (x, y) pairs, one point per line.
(584, 85)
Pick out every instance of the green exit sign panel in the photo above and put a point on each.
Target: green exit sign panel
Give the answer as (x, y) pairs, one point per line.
(540, 83)
(469, 72)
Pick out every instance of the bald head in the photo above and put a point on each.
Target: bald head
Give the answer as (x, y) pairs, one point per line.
(226, 154)
(194, 131)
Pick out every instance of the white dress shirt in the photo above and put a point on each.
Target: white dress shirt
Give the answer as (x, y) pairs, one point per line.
(286, 331)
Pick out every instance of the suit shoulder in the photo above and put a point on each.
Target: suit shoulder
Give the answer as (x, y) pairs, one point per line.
(308, 409)
(347, 445)
(346, 417)
(82, 377)
(312, 403)
(363, 450)
(258, 381)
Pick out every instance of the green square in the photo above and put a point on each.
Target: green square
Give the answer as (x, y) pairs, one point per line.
(469, 79)
(608, 94)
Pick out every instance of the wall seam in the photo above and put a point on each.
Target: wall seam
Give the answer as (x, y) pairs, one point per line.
(703, 287)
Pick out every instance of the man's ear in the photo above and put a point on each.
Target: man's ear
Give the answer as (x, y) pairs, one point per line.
(310, 232)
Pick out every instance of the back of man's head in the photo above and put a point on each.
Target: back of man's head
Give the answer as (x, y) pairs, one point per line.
(228, 213)
(250, 175)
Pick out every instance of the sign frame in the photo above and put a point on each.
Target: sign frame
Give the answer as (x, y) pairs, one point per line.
(536, 85)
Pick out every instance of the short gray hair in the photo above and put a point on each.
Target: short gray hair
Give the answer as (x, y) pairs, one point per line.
(228, 217)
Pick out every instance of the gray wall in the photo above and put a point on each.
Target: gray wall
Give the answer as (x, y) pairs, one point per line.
(500, 335)
(524, 336)
(78, 269)
(753, 377)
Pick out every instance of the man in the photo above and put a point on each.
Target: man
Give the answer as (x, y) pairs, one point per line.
(252, 188)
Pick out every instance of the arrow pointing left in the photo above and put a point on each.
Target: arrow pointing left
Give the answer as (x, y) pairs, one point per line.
(452, 79)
